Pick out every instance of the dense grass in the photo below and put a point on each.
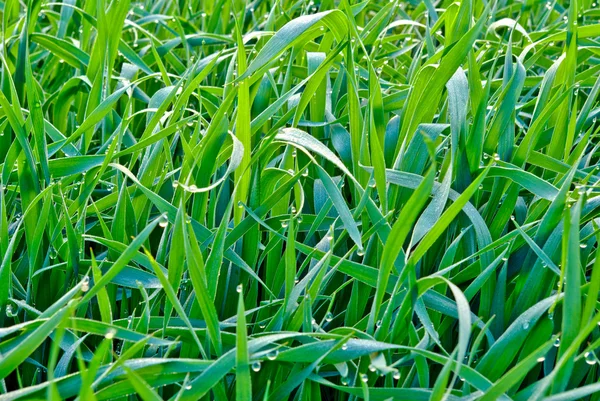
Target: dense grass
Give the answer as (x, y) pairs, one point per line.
(274, 200)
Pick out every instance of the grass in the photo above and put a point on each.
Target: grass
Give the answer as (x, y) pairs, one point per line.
(272, 200)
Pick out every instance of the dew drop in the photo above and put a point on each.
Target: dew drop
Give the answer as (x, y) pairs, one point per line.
(557, 342)
(364, 377)
(396, 375)
(328, 317)
(163, 221)
(85, 284)
(110, 334)
(272, 355)
(256, 366)
(525, 325)
(239, 288)
(590, 358)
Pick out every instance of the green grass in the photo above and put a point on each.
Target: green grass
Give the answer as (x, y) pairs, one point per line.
(273, 200)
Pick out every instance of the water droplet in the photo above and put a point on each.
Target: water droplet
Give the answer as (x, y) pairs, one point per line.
(163, 221)
(239, 288)
(284, 223)
(541, 359)
(85, 284)
(372, 368)
(525, 325)
(175, 184)
(557, 342)
(110, 334)
(590, 358)
(345, 380)
(583, 246)
(188, 387)
(378, 324)
(53, 253)
(360, 252)
(256, 366)
(364, 377)
(291, 171)
(328, 317)
(396, 375)
(240, 204)
(273, 355)
(345, 346)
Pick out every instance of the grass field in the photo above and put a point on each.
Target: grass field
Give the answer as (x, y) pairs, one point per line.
(292, 200)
